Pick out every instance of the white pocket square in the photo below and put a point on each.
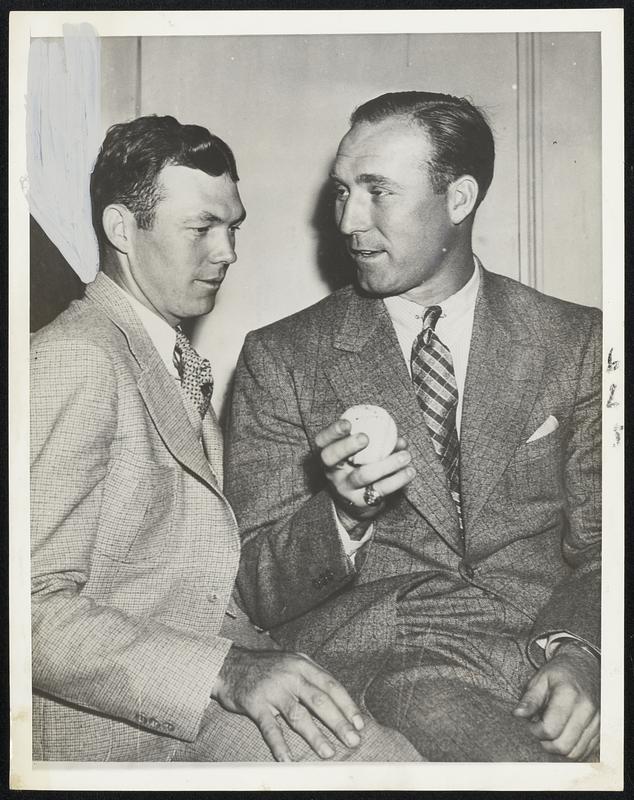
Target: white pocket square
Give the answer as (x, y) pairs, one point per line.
(548, 426)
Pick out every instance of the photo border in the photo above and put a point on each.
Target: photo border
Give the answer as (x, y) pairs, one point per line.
(606, 775)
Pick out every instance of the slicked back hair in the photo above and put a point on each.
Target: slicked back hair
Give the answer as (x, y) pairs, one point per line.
(460, 136)
(134, 153)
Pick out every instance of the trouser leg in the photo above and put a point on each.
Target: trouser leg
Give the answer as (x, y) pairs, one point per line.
(448, 720)
(232, 737)
(458, 668)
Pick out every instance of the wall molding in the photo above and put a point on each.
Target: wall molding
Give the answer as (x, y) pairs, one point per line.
(529, 160)
(138, 87)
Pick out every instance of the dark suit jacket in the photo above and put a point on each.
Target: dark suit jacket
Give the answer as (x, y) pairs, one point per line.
(531, 510)
(134, 547)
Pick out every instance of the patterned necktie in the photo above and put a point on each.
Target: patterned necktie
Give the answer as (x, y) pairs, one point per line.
(194, 372)
(435, 385)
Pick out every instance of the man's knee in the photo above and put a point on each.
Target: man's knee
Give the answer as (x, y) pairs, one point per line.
(448, 720)
(232, 737)
(380, 743)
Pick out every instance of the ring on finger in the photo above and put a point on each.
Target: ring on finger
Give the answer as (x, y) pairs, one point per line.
(371, 495)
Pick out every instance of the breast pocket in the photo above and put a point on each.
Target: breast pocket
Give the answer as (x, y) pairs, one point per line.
(136, 512)
(536, 469)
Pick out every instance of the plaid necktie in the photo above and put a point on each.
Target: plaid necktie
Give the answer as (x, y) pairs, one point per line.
(194, 372)
(435, 385)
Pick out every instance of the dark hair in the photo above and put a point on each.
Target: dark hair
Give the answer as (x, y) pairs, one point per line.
(134, 153)
(459, 133)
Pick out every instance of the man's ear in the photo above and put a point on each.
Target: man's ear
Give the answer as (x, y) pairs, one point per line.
(119, 225)
(462, 195)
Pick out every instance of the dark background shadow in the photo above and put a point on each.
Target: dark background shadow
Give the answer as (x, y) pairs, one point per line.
(54, 284)
(333, 262)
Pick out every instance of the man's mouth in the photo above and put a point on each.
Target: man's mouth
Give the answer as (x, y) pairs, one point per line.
(214, 282)
(364, 254)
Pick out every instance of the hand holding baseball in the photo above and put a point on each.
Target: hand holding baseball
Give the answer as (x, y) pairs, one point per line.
(378, 426)
(364, 461)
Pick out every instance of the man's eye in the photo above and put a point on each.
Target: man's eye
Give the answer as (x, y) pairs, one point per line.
(234, 228)
(339, 191)
(377, 191)
(200, 231)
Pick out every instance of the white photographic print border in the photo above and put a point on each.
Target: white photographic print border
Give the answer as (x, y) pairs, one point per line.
(606, 775)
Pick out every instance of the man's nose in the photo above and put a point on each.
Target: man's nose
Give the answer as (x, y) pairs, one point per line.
(351, 216)
(224, 251)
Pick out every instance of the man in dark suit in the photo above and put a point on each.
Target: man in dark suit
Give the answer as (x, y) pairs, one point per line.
(453, 586)
(138, 654)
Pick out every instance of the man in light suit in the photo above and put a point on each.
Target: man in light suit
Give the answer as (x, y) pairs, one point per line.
(453, 586)
(138, 653)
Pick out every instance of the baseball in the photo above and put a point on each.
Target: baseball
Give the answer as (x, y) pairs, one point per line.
(378, 426)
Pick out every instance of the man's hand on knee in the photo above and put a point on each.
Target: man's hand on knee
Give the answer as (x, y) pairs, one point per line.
(266, 685)
(562, 703)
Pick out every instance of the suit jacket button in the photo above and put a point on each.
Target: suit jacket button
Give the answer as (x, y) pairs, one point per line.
(323, 579)
(469, 571)
(213, 597)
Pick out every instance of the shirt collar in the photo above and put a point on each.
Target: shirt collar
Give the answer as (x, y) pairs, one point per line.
(161, 333)
(401, 309)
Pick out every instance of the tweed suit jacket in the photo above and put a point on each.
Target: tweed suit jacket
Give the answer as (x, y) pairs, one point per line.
(531, 509)
(134, 547)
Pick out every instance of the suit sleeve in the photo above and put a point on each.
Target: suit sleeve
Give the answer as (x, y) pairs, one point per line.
(96, 656)
(292, 555)
(575, 605)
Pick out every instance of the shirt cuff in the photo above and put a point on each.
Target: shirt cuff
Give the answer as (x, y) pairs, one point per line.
(350, 546)
(550, 643)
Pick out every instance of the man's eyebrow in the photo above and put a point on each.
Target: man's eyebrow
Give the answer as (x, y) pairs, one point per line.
(208, 216)
(367, 177)
(378, 180)
(203, 216)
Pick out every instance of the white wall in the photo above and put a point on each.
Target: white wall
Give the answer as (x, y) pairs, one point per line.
(571, 165)
(282, 103)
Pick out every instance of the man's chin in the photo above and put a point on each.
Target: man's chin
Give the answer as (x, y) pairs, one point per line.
(200, 309)
(208, 306)
(372, 288)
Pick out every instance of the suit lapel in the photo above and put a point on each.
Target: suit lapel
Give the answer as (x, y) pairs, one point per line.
(165, 406)
(159, 390)
(368, 367)
(212, 440)
(503, 378)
